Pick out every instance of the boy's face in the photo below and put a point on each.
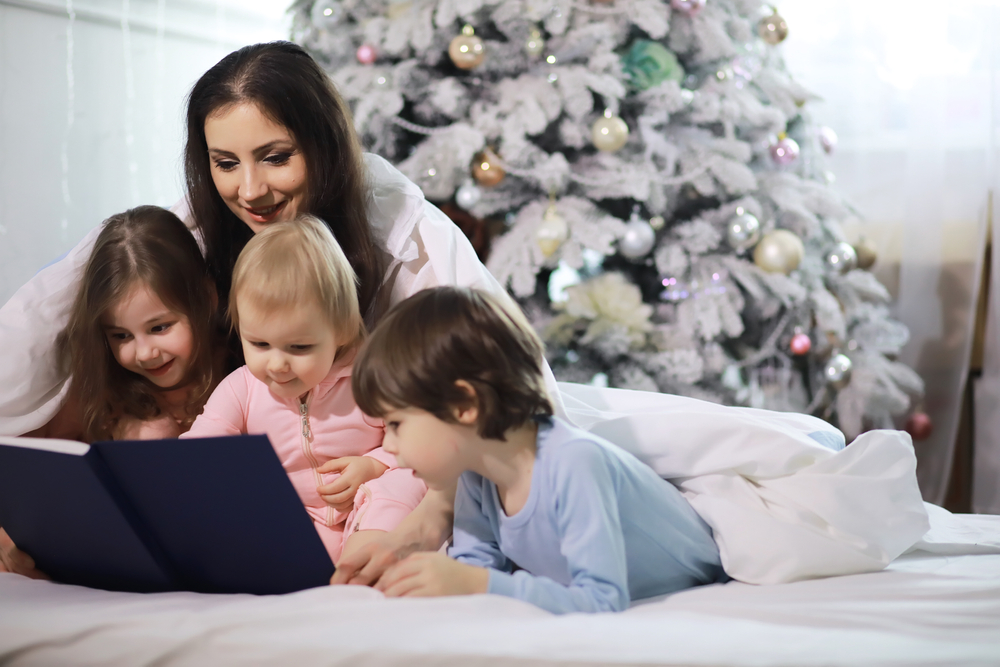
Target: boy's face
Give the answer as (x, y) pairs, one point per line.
(429, 446)
(291, 350)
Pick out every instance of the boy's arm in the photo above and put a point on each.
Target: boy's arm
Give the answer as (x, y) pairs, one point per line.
(474, 541)
(590, 536)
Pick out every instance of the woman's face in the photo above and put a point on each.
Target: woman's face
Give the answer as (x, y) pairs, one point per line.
(257, 166)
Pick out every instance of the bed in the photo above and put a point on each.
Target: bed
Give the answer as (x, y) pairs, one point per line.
(937, 604)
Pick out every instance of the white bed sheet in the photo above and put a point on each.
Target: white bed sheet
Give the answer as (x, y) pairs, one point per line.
(926, 608)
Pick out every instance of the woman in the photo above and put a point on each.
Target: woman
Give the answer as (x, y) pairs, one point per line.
(268, 137)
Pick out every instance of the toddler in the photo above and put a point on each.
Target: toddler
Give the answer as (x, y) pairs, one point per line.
(545, 512)
(294, 304)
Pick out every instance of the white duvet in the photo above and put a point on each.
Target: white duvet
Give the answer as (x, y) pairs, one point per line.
(783, 507)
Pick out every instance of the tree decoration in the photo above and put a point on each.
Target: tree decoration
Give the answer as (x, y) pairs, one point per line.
(609, 132)
(649, 63)
(657, 222)
(467, 50)
(552, 232)
(689, 7)
(468, 194)
(800, 344)
(366, 54)
(785, 150)
(837, 370)
(327, 13)
(867, 253)
(919, 425)
(638, 238)
(534, 44)
(842, 258)
(743, 230)
(827, 139)
(486, 168)
(780, 251)
(772, 29)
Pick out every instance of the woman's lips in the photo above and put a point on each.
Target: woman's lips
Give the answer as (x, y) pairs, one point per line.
(265, 213)
(162, 370)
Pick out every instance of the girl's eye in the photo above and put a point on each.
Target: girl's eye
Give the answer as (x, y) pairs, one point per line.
(301, 348)
(393, 426)
(160, 328)
(225, 165)
(278, 158)
(118, 336)
(259, 344)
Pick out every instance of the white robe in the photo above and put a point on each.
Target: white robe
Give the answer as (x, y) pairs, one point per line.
(783, 507)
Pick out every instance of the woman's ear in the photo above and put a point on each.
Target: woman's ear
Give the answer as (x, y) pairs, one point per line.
(467, 414)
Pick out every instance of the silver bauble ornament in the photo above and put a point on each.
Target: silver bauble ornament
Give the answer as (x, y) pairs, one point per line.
(552, 232)
(637, 240)
(837, 371)
(467, 50)
(842, 258)
(326, 13)
(468, 195)
(780, 251)
(534, 44)
(742, 231)
(609, 132)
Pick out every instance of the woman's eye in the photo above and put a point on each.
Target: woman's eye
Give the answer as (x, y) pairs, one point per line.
(278, 158)
(225, 165)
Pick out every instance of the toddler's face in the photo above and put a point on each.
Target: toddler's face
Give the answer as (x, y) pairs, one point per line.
(148, 338)
(290, 350)
(428, 445)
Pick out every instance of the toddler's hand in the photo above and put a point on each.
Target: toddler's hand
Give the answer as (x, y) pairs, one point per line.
(14, 560)
(354, 471)
(429, 574)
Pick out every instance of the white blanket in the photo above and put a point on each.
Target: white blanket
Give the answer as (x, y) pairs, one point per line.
(783, 506)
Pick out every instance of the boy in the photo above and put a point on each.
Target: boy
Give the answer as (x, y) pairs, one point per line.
(544, 512)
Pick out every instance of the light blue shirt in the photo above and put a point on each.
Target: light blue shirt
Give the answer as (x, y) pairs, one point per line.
(599, 529)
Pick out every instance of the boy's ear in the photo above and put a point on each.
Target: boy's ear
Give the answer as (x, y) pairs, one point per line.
(467, 414)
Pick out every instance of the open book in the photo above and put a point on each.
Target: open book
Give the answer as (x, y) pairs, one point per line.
(213, 515)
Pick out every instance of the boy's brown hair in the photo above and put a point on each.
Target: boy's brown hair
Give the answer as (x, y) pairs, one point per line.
(427, 343)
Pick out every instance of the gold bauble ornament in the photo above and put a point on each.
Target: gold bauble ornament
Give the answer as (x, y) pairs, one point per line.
(486, 168)
(779, 251)
(467, 50)
(773, 29)
(867, 253)
(609, 132)
(552, 232)
(535, 44)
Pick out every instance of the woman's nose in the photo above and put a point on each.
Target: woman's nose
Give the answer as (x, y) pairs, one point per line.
(252, 186)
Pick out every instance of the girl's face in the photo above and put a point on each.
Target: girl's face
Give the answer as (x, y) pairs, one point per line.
(291, 351)
(148, 338)
(256, 165)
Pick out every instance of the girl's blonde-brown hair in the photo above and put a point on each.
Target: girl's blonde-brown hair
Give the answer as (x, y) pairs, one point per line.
(297, 262)
(146, 245)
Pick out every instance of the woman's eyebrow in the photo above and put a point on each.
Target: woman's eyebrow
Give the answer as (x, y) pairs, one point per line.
(260, 150)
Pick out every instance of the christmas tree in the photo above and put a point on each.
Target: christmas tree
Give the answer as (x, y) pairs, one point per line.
(664, 212)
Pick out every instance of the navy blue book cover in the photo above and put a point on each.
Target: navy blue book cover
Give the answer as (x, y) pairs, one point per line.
(213, 515)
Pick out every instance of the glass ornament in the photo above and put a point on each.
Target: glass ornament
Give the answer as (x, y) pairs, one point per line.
(837, 370)
(785, 150)
(919, 425)
(552, 232)
(609, 132)
(800, 344)
(466, 50)
(366, 54)
(867, 253)
(637, 240)
(326, 13)
(534, 44)
(486, 168)
(742, 230)
(772, 29)
(468, 195)
(779, 251)
(827, 139)
(842, 258)
(688, 7)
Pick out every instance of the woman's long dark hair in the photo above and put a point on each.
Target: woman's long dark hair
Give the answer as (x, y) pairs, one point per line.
(145, 245)
(289, 87)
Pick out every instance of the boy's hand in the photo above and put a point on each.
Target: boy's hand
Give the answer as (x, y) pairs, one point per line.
(429, 574)
(14, 560)
(354, 471)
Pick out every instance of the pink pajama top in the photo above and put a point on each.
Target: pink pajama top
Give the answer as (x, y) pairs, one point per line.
(306, 435)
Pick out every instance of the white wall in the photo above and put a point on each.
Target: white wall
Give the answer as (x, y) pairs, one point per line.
(91, 110)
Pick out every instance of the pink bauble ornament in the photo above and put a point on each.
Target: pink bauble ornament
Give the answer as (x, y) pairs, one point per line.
(801, 344)
(919, 426)
(827, 139)
(785, 151)
(366, 54)
(689, 7)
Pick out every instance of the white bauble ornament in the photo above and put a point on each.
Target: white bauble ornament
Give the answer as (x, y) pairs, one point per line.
(742, 231)
(535, 44)
(780, 251)
(827, 139)
(637, 240)
(468, 195)
(609, 132)
(552, 232)
(838, 371)
(467, 50)
(326, 13)
(842, 258)
(657, 222)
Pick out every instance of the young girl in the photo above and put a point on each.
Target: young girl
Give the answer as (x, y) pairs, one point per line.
(545, 512)
(294, 304)
(141, 333)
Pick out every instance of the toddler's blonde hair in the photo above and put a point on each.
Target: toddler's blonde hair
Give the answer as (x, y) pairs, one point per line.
(292, 263)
